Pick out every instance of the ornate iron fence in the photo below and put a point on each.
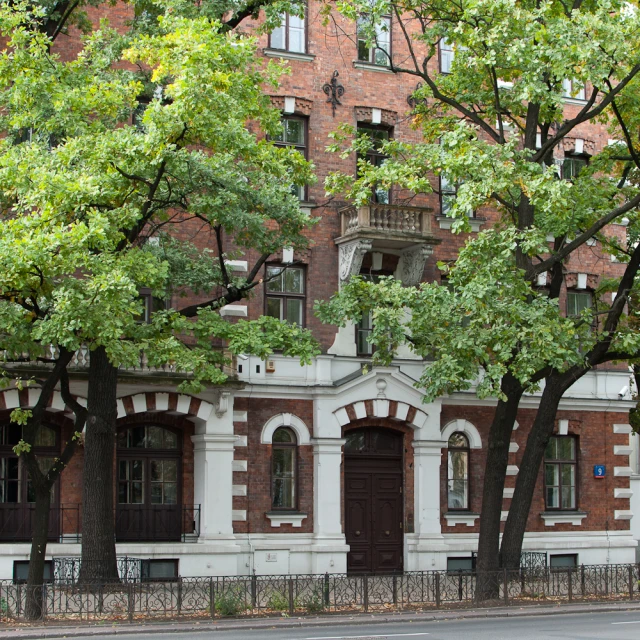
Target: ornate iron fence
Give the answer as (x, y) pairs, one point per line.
(213, 597)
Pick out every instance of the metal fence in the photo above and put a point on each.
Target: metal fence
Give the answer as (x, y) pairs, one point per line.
(214, 597)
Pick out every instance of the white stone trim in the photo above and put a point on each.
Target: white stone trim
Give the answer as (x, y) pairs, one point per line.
(622, 472)
(512, 469)
(381, 408)
(622, 428)
(239, 515)
(360, 410)
(234, 310)
(622, 492)
(623, 514)
(241, 441)
(287, 420)
(237, 265)
(563, 517)
(508, 492)
(294, 519)
(402, 410)
(513, 447)
(239, 490)
(464, 426)
(453, 518)
(622, 450)
(516, 424)
(503, 516)
(240, 416)
(239, 465)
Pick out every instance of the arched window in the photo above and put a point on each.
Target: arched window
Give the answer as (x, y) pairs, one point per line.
(284, 470)
(458, 472)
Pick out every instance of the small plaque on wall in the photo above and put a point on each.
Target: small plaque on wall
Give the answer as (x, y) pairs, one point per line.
(599, 471)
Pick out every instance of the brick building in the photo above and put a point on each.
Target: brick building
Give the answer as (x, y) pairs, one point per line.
(291, 469)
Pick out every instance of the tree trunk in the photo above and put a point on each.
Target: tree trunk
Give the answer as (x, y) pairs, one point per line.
(98, 562)
(35, 580)
(541, 431)
(495, 472)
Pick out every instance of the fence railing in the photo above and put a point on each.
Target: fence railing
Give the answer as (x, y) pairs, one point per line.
(299, 594)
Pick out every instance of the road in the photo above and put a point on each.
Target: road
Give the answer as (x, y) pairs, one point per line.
(622, 625)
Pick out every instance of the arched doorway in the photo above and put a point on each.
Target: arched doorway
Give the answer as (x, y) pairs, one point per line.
(149, 488)
(373, 479)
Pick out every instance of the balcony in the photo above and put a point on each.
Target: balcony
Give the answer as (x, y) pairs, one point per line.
(17, 522)
(404, 231)
(134, 523)
(388, 224)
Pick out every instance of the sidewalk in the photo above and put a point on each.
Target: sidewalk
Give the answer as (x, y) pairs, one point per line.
(104, 628)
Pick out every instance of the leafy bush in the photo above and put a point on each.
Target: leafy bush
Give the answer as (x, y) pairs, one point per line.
(230, 601)
(278, 601)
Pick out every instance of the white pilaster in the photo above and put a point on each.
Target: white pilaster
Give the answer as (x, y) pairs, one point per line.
(426, 463)
(327, 458)
(213, 483)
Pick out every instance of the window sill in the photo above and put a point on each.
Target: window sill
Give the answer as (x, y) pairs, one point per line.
(461, 517)
(358, 64)
(476, 223)
(552, 518)
(288, 55)
(293, 518)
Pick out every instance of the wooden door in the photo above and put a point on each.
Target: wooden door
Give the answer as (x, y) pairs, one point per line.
(373, 482)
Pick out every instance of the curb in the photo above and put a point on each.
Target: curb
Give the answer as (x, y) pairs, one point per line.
(125, 628)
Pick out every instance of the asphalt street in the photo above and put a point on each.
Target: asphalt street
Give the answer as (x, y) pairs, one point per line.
(622, 625)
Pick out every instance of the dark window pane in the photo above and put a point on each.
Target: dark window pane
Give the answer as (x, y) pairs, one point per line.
(458, 440)
(45, 437)
(274, 284)
(294, 311)
(355, 441)
(294, 281)
(294, 131)
(274, 308)
(284, 435)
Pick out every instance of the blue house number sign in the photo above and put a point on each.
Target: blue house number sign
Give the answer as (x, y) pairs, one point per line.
(599, 471)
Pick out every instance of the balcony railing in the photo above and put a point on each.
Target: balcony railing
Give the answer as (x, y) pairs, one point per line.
(82, 357)
(387, 219)
(157, 523)
(17, 522)
(134, 523)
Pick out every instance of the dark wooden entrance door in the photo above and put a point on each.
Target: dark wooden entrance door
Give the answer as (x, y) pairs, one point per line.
(373, 500)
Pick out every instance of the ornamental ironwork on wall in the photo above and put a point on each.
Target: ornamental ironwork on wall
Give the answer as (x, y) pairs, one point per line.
(334, 91)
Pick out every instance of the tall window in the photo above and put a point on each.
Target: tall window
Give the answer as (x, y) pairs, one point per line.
(458, 472)
(573, 89)
(577, 302)
(15, 485)
(446, 55)
(363, 331)
(376, 157)
(284, 463)
(448, 194)
(294, 134)
(291, 35)
(378, 52)
(285, 294)
(150, 304)
(148, 466)
(560, 472)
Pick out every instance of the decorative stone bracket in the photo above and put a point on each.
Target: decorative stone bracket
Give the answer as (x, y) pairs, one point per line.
(351, 255)
(411, 264)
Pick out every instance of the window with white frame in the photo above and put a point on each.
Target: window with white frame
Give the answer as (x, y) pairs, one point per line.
(573, 89)
(291, 35)
(446, 55)
(379, 51)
